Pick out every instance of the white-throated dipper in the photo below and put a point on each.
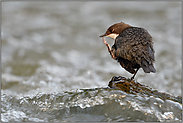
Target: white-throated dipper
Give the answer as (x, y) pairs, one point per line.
(133, 47)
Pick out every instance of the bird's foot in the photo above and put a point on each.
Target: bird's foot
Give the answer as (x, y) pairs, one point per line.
(105, 42)
(134, 74)
(132, 78)
(112, 55)
(109, 48)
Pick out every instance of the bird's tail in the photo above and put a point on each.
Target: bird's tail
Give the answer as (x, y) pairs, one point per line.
(148, 67)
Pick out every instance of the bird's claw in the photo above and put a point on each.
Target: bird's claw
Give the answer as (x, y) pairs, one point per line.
(104, 41)
(109, 48)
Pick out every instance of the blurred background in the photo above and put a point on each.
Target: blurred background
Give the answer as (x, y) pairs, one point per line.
(55, 46)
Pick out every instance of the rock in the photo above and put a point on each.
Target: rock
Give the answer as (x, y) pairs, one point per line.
(131, 86)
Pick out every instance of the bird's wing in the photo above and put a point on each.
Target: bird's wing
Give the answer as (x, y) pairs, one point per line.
(135, 44)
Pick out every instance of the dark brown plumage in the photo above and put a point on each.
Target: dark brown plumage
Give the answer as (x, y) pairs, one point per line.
(133, 47)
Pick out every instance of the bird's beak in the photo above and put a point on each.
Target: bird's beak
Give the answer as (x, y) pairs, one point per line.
(102, 35)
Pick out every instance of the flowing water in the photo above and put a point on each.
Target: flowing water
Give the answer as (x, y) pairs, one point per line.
(56, 68)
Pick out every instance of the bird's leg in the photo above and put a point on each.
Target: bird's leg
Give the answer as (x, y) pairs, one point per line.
(134, 74)
(109, 48)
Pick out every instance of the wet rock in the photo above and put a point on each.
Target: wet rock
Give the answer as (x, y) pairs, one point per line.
(131, 86)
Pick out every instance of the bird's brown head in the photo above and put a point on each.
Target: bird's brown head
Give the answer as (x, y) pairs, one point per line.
(114, 30)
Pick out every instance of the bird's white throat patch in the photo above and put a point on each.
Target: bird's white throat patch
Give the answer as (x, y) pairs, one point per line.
(113, 35)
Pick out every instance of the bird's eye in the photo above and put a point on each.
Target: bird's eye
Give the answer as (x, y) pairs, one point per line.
(112, 30)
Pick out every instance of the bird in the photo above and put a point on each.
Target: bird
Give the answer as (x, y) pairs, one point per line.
(133, 47)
